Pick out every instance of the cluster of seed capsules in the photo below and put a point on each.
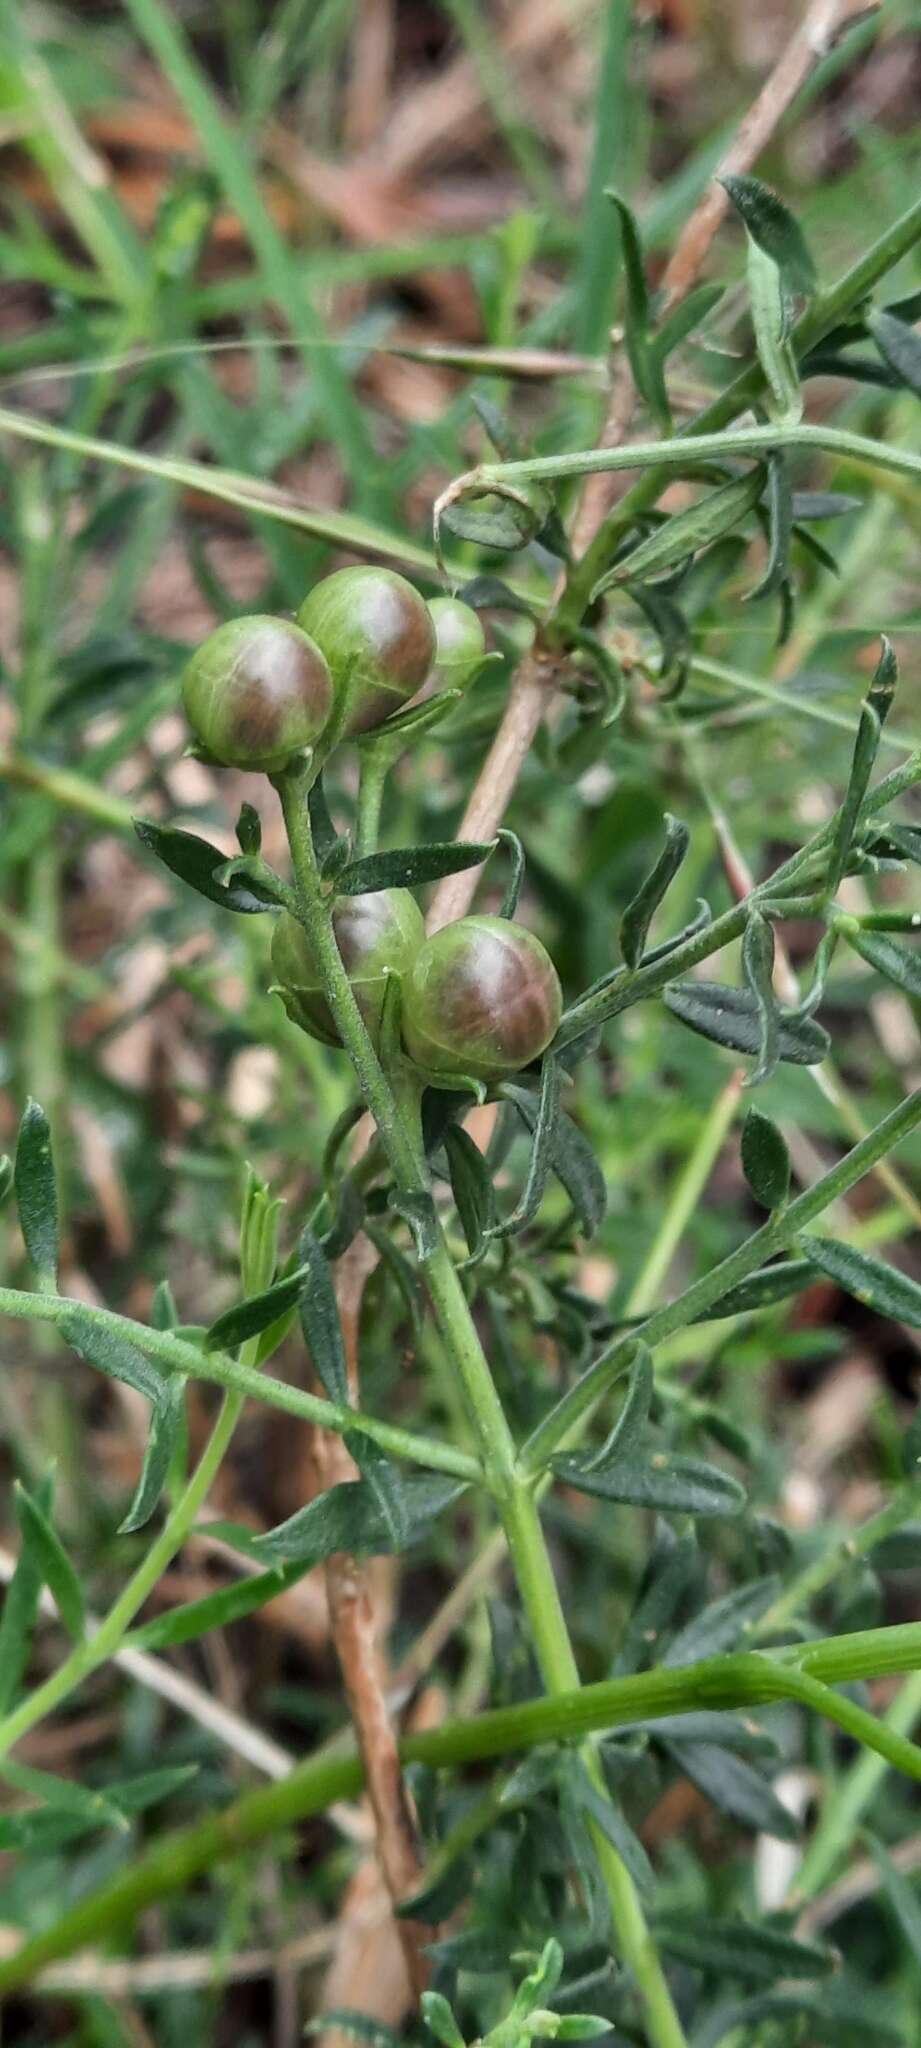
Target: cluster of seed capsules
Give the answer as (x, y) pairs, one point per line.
(481, 997)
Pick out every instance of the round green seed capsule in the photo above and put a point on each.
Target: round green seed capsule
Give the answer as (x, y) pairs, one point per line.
(257, 692)
(378, 936)
(482, 998)
(460, 642)
(378, 638)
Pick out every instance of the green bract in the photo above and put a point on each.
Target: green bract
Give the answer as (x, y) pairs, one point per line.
(460, 642)
(378, 935)
(483, 998)
(377, 635)
(257, 692)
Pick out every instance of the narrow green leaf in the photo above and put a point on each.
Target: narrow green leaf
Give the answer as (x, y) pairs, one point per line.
(166, 1423)
(750, 1951)
(514, 848)
(685, 533)
(198, 863)
(248, 1318)
(899, 1893)
(440, 2020)
(899, 346)
(672, 632)
(898, 964)
(21, 1608)
(405, 727)
(689, 314)
(249, 830)
(348, 1517)
(675, 1485)
(61, 1795)
(52, 1560)
(758, 969)
(112, 1354)
(765, 1160)
(472, 1187)
(638, 916)
(735, 1787)
(762, 1289)
(6, 1178)
(417, 1209)
(540, 1164)
(407, 867)
(870, 1281)
(772, 319)
(645, 359)
(36, 1195)
(164, 1314)
(670, 1570)
(149, 1788)
(873, 714)
(780, 528)
(723, 1623)
(388, 1486)
(217, 1610)
(612, 1824)
(732, 1017)
(624, 1440)
(320, 1320)
(322, 829)
(572, 1160)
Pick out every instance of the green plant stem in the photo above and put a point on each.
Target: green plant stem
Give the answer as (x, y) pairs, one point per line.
(692, 1305)
(514, 1496)
(688, 449)
(684, 1199)
(372, 778)
(738, 1681)
(816, 1576)
(842, 1812)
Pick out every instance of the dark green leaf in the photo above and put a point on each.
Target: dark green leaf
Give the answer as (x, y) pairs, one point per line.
(407, 867)
(472, 1187)
(336, 859)
(248, 1318)
(112, 1354)
(487, 593)
(879, 1286)
(731, 1017)
(21, 1608)
(164, 1314)
(673, 1484)
(6, 1178)
(541, 1160)
(758, 969)
(417, 1209)
(320, 1320)
(195, 861)
(572, 1160)
(686, 532)
(771, 224)
(670, 1570)
(36, 1195)
(823, 504)
(166, 1423)
(440, 2020)
(901, 1550)
(898, 964)
(322, 830)
(872, 716)
(217, 1610)
(768, 1285)
(765, 1160)
(644, 358)
(391, 738)
(780, 528)
(503, 516)
(149, 1788)
(401, 1271)
(512, 843)
(52, 1560)
(623, 1443)
(911, 1446)
(688, 315)
(61, 1795)
(735, 1787)
(838, 2016)
(751, 1951)
(388, 1485)
(899, 346)
(638, 916)
(249, 830)
(611, 1821)
(348, 1517)
(900, 1895)
(723, 1623)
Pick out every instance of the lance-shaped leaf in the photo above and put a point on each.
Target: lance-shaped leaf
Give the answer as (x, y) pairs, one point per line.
(21, 1606)
(52, 1560)
(735, 1787)
(686, 532)
(900, 1895)
(6, 1178)
(36, 1195)
(515, 851)
(898, 964)
(407, 867)
(199, 863)
(320, 1323)
(722, 1623)
(871, 1281)
(732, 1017)
(672, 632)
(391, 739)
(249, 830)
(749, 1951)
(765, 1160)
(390, 1488)
(167, 1421)
(689, 314)
(644, 358)
(623, 1442)
(873, 713)
(113, 1355)
(540, 1164)
(758, 969)
(664, 1480)
(571, 1158)
(417, 1208)
(471, 1184)
(610, 1820)
(777, 575)
(762, 1289)
(670, 1572)
(638, 916)
(899, 346)
(248, 1318)
(349, 1517)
